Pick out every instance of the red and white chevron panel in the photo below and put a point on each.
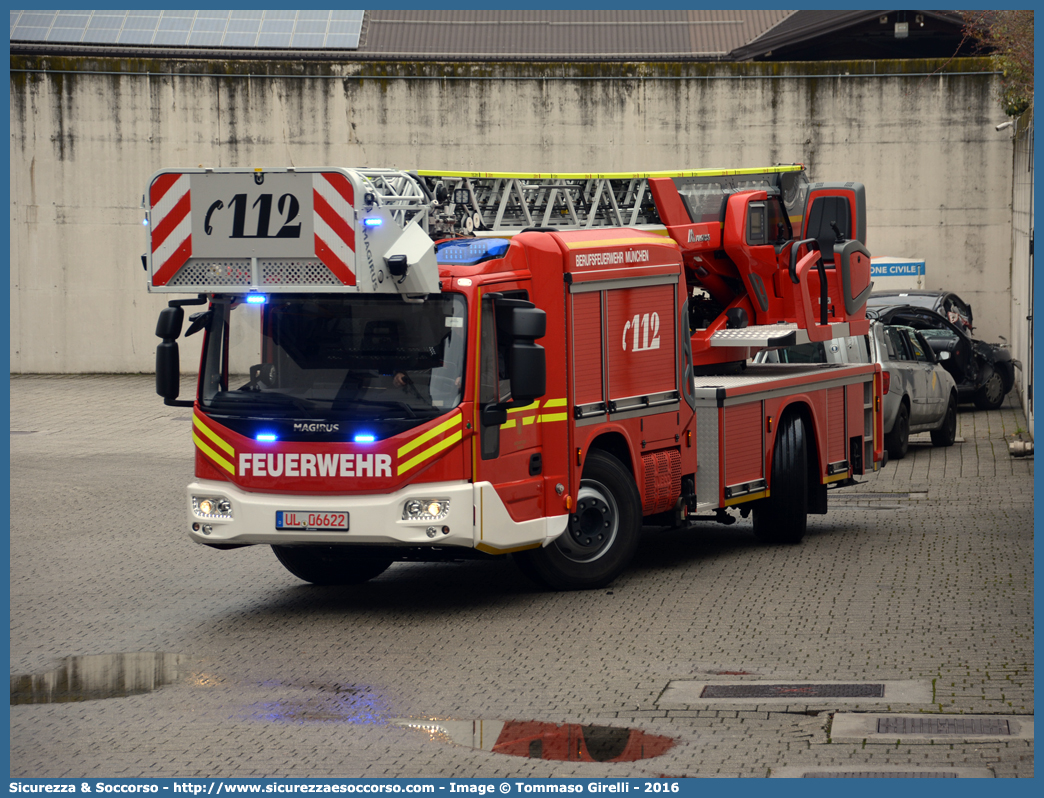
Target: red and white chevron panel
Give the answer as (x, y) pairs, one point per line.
(333, 202)
(170, 200)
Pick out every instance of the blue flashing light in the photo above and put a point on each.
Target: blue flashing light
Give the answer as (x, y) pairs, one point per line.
(471, 251)
(266, 437)
(373, 222)
(255, 299)
(145, 222)
(364, 437)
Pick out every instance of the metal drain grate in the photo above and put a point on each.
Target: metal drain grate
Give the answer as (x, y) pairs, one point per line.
(793, 691)
(972, 726)
(882, 774)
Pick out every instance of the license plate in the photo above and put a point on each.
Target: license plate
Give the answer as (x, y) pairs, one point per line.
(311, 522)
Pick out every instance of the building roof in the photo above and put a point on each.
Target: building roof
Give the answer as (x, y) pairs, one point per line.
(608, 35)
(843, 35)
(648, 35)
(471, 35)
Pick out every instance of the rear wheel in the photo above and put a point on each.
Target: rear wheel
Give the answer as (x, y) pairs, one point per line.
(331, 565)
(947, 433)
(601, 536)
(897, 442)
(783, 516)
(991, 395)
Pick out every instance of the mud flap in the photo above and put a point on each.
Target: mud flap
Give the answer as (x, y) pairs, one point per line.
(817, 496)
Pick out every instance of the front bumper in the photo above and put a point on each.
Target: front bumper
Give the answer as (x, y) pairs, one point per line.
(373, 519)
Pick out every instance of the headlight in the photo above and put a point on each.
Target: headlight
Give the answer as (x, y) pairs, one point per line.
(425, 510)
(212, 507)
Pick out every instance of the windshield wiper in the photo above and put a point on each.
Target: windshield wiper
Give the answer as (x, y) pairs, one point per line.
(346, 405)
(247, 400)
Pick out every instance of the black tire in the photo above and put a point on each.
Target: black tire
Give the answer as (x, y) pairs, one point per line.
(331, 565)
(947, 433)
(991, 395)
(601, 536)
(783, 516)
(897, 442)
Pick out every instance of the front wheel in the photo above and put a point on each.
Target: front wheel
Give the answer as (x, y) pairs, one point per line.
(991, 395)
(947, 433)
(783, 516)
(331, 565)
(602, 533)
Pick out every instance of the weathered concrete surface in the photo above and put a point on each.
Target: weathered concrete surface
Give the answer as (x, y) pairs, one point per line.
(933, 585)
(87, 134)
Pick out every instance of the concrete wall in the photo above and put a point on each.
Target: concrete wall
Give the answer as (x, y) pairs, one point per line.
(86, 135)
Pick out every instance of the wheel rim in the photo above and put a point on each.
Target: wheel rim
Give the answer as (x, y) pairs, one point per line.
(593, 528)
(994, 389)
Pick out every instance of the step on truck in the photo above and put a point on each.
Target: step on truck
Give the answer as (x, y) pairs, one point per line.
(434, 366)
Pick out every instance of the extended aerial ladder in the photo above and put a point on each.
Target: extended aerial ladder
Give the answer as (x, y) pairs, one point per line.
(742, 301)
(503, 203)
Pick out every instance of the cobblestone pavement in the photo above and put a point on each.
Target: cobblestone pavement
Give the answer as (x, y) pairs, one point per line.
(923, 573)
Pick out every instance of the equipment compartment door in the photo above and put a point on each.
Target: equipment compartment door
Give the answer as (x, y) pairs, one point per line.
(640, 339)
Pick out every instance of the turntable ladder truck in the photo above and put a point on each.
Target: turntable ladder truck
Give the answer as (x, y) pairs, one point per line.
(421, 366)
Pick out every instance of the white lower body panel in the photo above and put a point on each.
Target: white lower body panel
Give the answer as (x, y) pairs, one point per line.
(477, 518)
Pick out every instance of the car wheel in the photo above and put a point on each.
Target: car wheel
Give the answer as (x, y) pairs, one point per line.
(601, 536)
(947, 433)
(783, 516)
(991, 395)
(331, 565)
(897, 442)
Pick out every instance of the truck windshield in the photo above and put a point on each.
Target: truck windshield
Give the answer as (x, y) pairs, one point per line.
(372, 358)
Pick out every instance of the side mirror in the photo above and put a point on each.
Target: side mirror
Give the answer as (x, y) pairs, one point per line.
(168, 326)
(168, 371)
(168, 361)
(528, 370)
(519, 323)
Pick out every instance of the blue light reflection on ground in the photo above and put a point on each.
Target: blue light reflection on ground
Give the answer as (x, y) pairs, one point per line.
(353, 705)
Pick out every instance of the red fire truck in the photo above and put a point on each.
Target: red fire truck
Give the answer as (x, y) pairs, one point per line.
(418, 366)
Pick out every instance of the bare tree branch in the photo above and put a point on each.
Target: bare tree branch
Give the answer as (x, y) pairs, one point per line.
(1008, 38)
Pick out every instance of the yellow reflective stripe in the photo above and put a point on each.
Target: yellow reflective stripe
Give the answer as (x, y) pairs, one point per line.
(217, 458)
(555, 403)
(509, 424)
(613, 175)
(528, 420)
(609, 242)
(427, 436)
(553, 417)
(212, 435)
(431, 452)
(530, 406)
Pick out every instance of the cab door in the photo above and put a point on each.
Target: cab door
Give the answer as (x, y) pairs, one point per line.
(510, 447)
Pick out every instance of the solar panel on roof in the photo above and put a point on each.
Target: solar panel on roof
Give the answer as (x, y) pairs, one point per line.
(276, 41)
(136, 37)
(312, 41)
(312, 30)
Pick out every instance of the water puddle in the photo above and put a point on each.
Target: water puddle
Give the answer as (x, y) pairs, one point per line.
(97, 676)
(569, 742)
